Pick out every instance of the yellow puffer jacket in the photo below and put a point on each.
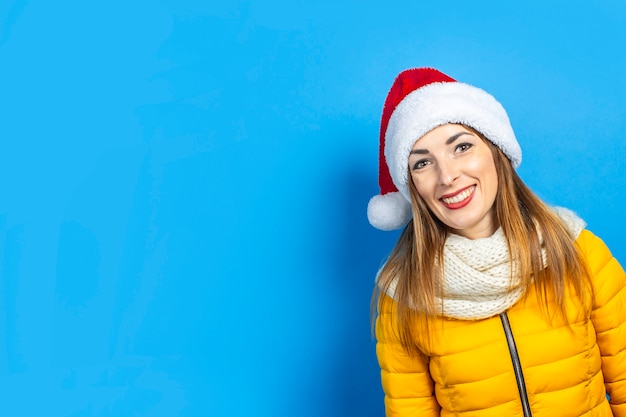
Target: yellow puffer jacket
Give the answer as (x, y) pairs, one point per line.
(468, 369)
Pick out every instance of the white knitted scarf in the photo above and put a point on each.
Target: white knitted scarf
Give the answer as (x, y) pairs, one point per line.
(477, 279)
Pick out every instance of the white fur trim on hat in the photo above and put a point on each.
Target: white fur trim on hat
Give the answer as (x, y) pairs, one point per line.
(436, 104)
(389, 211)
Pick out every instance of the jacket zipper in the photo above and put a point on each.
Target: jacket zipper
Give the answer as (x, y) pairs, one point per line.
(517, 366)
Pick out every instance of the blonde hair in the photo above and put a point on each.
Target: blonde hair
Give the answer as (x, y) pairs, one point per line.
(526, 222)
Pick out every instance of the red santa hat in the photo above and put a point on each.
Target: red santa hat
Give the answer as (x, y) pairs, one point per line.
(419, 100)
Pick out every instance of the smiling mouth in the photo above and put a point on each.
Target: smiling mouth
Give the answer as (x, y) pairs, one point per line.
(460, 196)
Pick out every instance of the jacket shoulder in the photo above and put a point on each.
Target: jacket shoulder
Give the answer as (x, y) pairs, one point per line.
(594, 250)
(607, 276)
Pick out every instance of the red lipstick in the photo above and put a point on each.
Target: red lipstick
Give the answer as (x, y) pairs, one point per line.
(458, 199)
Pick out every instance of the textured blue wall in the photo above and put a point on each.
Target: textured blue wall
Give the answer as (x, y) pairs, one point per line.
(183, 186)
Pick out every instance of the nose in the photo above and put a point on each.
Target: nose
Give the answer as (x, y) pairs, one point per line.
(448, 172)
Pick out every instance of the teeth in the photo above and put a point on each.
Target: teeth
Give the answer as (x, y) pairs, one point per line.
(459, 197)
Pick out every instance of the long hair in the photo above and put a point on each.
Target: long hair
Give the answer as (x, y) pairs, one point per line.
(529, 225)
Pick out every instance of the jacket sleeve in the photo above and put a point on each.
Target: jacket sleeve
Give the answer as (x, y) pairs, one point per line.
(608, 317)
(406, 379)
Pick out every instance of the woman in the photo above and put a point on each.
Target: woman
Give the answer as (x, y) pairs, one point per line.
(491, 302)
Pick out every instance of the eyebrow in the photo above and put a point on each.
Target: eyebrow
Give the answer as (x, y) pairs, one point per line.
(450, 140)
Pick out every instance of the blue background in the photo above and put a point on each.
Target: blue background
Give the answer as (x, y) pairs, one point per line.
(183, 186)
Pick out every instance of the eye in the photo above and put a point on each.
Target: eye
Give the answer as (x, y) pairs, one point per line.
(462, 147)
(420, 164)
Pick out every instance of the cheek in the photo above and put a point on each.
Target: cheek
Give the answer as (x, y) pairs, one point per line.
(491, 177)
(424, 187)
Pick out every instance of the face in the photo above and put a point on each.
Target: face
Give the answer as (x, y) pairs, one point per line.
(454, 172)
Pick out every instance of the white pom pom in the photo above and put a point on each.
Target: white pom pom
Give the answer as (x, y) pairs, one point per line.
(389, 212)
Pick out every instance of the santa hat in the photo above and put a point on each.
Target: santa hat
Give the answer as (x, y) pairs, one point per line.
(419, 100)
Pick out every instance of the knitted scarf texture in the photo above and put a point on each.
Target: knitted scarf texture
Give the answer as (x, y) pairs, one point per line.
(478, 278)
